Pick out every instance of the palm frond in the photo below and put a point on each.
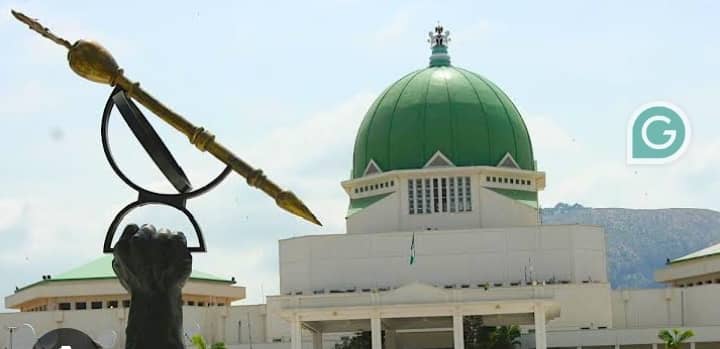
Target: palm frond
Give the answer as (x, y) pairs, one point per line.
(684, 335)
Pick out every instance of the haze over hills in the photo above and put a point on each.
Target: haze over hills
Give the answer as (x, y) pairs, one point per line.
(640, 240)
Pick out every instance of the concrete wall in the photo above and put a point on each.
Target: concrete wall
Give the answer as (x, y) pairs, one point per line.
(572, 253)
(379, 217)
(708, 336)
(101, 323)
(637, 316)
(497, 211)
(489, 209)
(247, 324)
(695, 306)
(695, 270)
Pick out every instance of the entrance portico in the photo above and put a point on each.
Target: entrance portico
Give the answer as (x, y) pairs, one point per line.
(411, 311)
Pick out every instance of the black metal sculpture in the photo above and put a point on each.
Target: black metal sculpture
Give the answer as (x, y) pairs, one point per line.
(164, 160)
(153, 266)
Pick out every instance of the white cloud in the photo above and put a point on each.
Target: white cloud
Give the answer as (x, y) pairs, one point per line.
(548, 136)
(295, 146)
(305, 147)
(23, 100)
(50, 227)
(586, 173)
(10, 212)
(393, 31)
(477, 30)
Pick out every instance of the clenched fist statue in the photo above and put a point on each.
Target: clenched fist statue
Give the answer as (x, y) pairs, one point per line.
(153, 266)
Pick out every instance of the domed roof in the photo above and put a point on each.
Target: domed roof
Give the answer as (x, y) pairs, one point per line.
(441, 108)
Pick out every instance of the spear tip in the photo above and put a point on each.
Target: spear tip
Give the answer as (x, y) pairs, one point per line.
(36, 26)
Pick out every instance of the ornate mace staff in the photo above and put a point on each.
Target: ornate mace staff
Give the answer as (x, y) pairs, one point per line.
(93, 62)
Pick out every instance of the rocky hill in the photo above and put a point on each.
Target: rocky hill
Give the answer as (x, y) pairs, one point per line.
(639, 241)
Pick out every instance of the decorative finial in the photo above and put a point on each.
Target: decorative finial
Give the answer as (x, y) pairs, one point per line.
(439, 40)
(440, 37)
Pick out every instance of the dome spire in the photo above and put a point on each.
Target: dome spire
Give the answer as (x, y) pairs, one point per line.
(439, 40)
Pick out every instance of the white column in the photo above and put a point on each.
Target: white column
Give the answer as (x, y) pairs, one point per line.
(458, 339)
(295, 333)
(654, 346)
(540, 335)
(376, 329)
(692, 345)
(317, 340)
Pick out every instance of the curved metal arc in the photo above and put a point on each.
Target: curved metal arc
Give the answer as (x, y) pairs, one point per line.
(163, 159)
(110, 235)
(151, 142)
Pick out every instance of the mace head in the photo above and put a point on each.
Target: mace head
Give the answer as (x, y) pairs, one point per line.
(88, 59)
(93, 62)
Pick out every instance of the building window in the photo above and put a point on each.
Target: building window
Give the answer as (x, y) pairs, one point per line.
(440, 194)
(468, 196)
(112, 304)
(80, 306)
(191, 303)
(411, 196)
(418, 195)
(96, 305)
(392, 183)
(461, 194)
(126, 303)
(201, 304)
(436, 196)
(428, 196)
(452, 194)
(64, 306)
(443, 192)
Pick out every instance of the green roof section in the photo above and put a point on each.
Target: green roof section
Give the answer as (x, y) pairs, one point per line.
(713, 250)
(357, 205)
(529, 198)
(101, 268)
(441, 108)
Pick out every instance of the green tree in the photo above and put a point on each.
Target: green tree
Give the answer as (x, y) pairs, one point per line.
(198, 341)
(674, 338)
(361, 340)
(475, 334)
(505, 337)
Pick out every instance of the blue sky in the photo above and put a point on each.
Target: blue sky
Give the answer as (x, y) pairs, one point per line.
(286, 84)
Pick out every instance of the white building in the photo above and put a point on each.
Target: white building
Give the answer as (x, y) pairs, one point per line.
(442, 224)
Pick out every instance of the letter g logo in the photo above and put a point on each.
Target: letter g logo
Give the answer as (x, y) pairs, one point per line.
(658, 133)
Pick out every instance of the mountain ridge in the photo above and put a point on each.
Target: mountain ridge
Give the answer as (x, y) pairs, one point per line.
(639, 241)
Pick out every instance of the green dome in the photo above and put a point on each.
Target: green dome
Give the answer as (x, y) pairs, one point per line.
(441, 108)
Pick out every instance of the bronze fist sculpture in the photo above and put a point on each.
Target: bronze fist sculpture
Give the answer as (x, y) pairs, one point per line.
(153, 266)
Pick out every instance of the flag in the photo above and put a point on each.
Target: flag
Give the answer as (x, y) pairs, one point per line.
(412, 250)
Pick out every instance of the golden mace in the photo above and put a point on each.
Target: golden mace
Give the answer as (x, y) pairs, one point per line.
(93, 62)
